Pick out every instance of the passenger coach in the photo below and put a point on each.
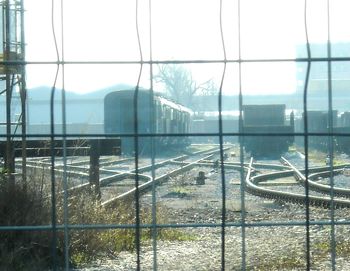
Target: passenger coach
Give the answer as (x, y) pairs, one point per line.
(154, 113)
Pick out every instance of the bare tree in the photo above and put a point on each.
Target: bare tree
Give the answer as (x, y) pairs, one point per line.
(180, 86)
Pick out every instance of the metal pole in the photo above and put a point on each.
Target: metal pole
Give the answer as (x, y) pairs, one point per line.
(95, 167)
(23, 92)
(9, 162)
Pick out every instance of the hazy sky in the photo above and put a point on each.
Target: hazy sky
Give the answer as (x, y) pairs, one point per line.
(105, 30)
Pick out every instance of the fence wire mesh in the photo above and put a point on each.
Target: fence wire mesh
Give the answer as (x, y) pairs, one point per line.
(227, 232)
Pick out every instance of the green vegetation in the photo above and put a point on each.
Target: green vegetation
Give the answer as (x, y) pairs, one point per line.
(342, 248)
(319, 157)
(180, 191)
(18, 207)
(175, 235)
(282, 263)
(31, 206)
(87, 245)
(295, 261)
(292, 148)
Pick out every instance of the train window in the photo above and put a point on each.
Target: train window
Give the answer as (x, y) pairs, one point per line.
(174, 135)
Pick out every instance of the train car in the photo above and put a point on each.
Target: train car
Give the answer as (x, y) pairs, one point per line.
(317, 121)
(267, 119)
(342, 140)
(208, 122)
(155, 114)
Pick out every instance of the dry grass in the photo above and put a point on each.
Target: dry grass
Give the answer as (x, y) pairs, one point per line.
(20, 250)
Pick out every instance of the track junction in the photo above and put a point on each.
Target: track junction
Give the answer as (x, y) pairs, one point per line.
(118, 177)
(253, 179)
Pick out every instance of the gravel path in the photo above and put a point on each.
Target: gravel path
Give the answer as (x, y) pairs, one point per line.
(266, 247)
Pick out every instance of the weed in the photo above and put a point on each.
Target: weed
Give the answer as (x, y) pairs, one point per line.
(282, 263)
(342, 248)
(19, 207)
(175, 235)
(292, 148)
(319, 157)
(23, 207)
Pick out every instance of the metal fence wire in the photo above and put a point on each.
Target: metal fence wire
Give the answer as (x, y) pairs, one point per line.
(298, 222)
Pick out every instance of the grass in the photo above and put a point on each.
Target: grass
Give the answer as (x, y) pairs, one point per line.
(292, 148)
(319, 157)
(32, 206)
(19, 207)
(293, 261)
(281, 263)
(180, 191)
(342, 248)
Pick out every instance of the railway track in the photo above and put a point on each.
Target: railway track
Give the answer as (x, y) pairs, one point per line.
(181, 166)
(112, 180)
(321, 172)
(252, 186)
(120, 184)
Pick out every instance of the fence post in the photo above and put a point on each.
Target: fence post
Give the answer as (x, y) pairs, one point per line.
(10, 162)
(94, 171)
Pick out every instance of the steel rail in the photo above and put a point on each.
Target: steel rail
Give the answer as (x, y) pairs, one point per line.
(252, 187)
(161, 179)
(321, 188)
(78, 170)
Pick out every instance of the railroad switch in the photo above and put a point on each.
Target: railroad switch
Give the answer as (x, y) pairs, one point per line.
(200, 179)
(216, 164)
